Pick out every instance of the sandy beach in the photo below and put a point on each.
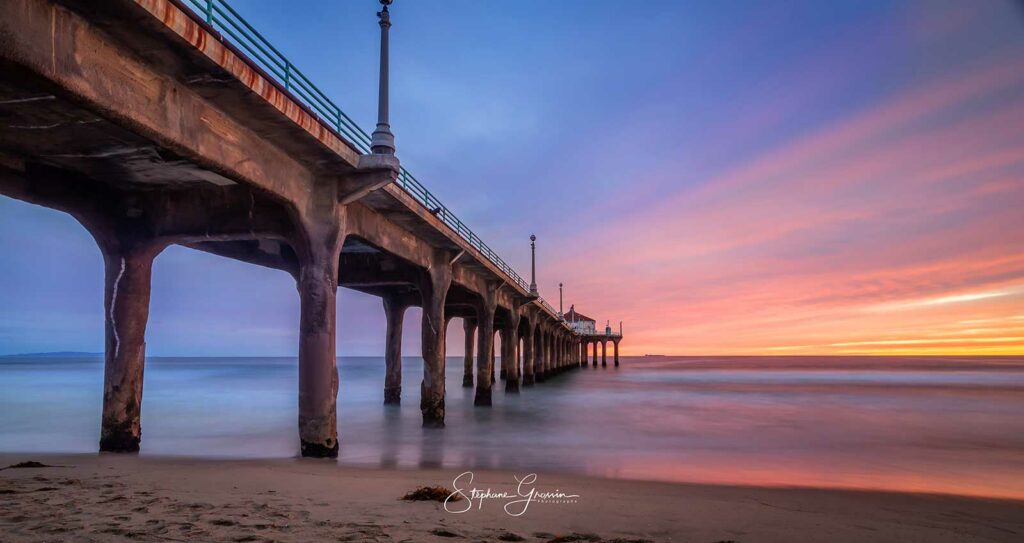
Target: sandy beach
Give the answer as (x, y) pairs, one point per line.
(90, 497)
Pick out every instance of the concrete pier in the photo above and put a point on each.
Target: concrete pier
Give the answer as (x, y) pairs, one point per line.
(485, 347)
(508, 350)
(512, 353)
(469, 330)
(318, 243)
(529, 355)
(128, 268)
(394, 312)
(543, 354)
(434, 284)
(195, 144)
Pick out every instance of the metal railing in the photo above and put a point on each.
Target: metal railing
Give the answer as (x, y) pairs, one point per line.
(225, 20)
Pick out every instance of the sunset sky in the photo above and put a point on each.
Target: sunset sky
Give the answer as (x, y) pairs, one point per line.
(724, 177)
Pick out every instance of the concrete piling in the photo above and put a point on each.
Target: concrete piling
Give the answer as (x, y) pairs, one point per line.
(394, 312)
(529, 355)
(510, 354)
(318, 370)
(469, 331)
(485, 347)
(434, 284)
(127, 272)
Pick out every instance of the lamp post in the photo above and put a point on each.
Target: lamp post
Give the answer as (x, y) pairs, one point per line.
(533, 266)
(560, 300)
(383, 141)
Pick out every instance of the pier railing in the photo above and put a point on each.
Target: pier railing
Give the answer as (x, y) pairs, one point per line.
(222, 18)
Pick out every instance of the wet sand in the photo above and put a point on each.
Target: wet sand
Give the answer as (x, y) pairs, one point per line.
(91, 497)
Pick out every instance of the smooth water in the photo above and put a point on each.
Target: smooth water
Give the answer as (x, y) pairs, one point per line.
(952, 425)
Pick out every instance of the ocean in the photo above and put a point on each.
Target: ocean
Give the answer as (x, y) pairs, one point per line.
(920, 424)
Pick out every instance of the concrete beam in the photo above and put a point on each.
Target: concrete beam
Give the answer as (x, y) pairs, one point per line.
(45, 40)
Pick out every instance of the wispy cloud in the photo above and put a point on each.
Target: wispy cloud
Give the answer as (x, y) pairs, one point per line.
(904, 214)
(952, 299)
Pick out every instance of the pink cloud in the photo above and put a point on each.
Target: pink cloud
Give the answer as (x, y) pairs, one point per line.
(921, 196)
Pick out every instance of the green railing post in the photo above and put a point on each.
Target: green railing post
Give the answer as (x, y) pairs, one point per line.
(209, 11)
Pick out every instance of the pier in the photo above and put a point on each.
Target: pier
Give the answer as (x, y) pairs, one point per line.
(160, 122)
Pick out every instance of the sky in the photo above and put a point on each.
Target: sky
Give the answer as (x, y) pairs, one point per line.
(723, 177)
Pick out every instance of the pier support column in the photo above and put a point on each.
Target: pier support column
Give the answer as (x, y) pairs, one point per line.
(548, 359)
(556, 363)
(434, 284)
(560, 345)
(552, 364)
(538, 355)
(604, 358)
(528, 356)
(553, 354)
(552, 358)
(512, 353)
(507, 352)
(616, 348)
(485, 346)
(469, 330)
(318, 367)
(127, 272)
(594, 344)
(320, 233)
(503, 369)
(394, 312)
(538, 367)
(556, 356)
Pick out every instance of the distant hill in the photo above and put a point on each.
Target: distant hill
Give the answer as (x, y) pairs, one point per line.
(58, 354)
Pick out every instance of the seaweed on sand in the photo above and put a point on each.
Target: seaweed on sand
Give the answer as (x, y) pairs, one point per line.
(431, 493)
